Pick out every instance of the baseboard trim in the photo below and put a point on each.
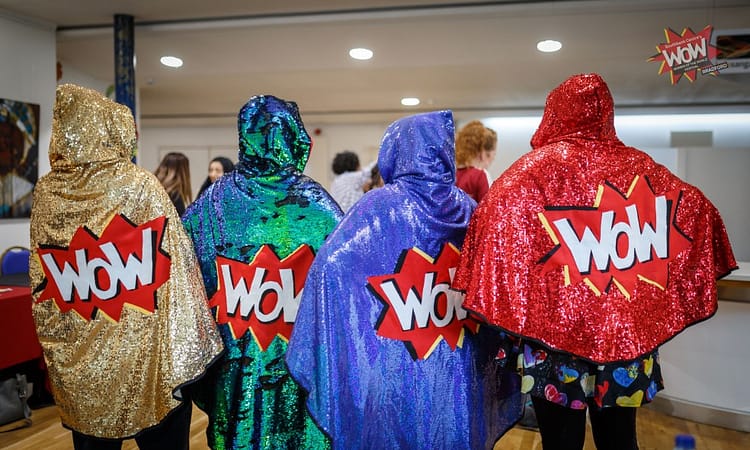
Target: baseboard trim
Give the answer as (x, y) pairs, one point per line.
(701, 413)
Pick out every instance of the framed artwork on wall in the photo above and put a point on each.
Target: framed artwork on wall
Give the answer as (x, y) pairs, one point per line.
(19, 156)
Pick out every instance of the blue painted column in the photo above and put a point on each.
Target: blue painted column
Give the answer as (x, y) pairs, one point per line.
(124, 62)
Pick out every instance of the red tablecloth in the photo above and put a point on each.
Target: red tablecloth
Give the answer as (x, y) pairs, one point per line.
(18, 340)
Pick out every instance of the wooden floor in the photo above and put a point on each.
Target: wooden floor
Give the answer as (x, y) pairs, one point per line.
(655, 432)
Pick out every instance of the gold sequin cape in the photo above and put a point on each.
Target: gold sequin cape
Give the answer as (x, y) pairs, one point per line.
(113, 379)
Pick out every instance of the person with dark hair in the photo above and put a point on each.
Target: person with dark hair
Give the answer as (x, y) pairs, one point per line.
(348, 186)
(376, 180)
(217, 168)
(174, 174)
(346, 161)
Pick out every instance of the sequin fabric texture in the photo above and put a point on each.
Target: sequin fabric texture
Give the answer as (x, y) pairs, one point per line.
(251, 400)
(370, 391)
(578, 168)
(112, 376)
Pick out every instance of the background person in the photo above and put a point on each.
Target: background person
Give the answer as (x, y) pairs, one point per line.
(174, 174)
(476, 146)
(348, 185)
(376, 181)
(216, 169)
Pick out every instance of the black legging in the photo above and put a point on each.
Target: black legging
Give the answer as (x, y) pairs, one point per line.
(172, 433)
(565, 428)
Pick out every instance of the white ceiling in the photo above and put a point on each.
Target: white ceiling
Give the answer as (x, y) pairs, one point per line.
(477, 58)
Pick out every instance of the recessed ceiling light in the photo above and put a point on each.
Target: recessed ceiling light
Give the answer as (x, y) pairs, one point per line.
(171, 61)
(548, 46)
(360, 53)
(410, 101)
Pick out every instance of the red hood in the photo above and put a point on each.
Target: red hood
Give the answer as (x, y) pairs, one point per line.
(579, 108)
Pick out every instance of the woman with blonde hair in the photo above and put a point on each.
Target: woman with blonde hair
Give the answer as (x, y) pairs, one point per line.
(475, 150)
(174, 174)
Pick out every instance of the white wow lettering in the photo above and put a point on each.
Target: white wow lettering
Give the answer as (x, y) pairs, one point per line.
(249, 300)
(424, 309)
(86, 280)
(683, 55)
(640, 241)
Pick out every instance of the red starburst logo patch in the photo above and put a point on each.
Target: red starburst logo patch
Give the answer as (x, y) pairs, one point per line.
(620, 240)
(123, 267)
(262, 296)
(684, 54)
(420, 306)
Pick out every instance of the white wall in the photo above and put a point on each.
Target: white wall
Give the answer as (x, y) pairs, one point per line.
(706, 363)
(722, 174)
(72, 75)
(201, 144)
(27, 73)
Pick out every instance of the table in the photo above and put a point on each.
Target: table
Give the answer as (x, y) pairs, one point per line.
(740, 277)
(735, 287)
(18, 340)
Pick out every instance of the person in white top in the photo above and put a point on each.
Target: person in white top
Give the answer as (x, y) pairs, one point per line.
(350, 179)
